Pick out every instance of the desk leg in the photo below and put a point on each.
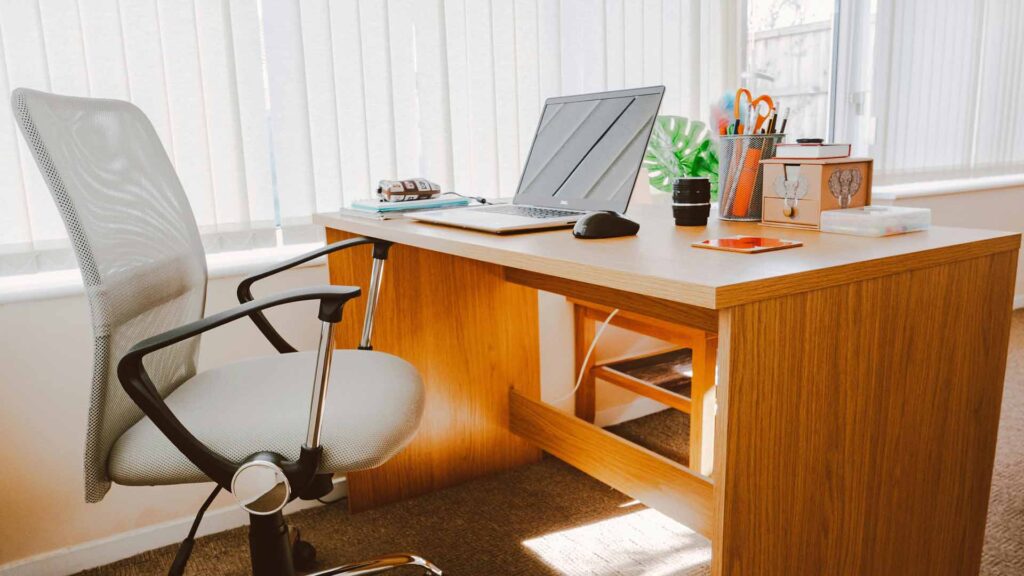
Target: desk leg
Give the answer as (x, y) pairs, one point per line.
(586, 395)
(473, 337)
(702, 406)
(857, 424)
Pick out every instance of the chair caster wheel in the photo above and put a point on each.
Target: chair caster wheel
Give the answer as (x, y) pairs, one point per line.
(303, 555)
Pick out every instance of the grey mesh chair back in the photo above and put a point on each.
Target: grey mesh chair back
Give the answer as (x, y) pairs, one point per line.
(136, 241)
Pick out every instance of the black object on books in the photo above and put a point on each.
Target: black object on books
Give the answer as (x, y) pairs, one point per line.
(605, 224)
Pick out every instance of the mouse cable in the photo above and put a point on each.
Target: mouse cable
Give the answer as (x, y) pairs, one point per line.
(479, 199)
(586, 359)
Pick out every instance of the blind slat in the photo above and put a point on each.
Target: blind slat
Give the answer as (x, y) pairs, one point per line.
(527, 72)
(104, 47)
(289, 112)
(401, 34)
(503, 24)
(435, 144)
(187, 106)
(223, 123)
(323, 111)
(378, 89)
(252, 110)
(350, 96)
(61, 19)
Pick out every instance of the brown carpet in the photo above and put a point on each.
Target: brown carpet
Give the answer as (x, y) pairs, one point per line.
(549, 519)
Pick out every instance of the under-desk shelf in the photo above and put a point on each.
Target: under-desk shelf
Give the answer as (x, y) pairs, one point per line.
(663, 376)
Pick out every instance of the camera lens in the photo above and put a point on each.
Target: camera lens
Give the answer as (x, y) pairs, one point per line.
(691, 201)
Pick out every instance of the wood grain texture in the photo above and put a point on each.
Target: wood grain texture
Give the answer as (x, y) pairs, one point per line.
(653, 479)
(473, 337)
(583, 334)
(857, 424)
(674, 331)
(666, 310)
(702, 409)
(643, 388)
(660, 262)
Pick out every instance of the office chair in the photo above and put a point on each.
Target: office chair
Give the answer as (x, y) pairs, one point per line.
(266, 429)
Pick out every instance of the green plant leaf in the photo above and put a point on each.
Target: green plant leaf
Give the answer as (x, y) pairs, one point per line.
(680, 147)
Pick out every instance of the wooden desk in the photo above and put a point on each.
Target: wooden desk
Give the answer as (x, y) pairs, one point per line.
(859, 380)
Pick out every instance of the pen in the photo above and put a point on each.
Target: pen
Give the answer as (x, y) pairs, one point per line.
(785, 117)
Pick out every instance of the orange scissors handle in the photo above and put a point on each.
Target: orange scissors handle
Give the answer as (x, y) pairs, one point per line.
(736, 105)
(756, 103)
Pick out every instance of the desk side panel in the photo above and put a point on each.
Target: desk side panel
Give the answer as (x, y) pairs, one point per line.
(473, 337)
(860, 424)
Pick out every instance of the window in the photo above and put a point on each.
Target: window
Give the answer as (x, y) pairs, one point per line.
(272, 110)
(789, 56)
(928, 88)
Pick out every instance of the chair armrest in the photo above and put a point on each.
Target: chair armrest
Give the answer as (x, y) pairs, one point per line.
(137, 383)
(245, 286)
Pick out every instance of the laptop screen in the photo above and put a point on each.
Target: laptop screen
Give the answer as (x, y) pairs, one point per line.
(588, 148)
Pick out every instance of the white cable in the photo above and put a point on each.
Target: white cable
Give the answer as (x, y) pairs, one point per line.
(586, 359)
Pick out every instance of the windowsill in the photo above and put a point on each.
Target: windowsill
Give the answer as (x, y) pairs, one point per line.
(63, 283)
(944, 187)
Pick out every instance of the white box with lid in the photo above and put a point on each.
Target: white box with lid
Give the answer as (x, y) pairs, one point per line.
(876, 220)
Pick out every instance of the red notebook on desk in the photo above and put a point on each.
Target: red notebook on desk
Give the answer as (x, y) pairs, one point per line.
(747, 244)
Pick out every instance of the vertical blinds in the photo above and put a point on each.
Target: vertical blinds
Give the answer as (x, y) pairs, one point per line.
(452, 89)
(194, 68)
(273, 110)
(948, 80)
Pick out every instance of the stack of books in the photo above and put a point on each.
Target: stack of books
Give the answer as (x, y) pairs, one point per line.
(377, 209)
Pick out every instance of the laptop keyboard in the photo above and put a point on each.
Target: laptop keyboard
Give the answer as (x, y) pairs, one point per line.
(528, 211)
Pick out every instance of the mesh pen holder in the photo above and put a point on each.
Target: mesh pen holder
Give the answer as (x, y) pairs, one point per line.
(740, 174)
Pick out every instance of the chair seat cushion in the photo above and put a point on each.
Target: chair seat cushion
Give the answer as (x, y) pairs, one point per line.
(374, 404)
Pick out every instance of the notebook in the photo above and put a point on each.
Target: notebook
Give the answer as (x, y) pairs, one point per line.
(812, 151)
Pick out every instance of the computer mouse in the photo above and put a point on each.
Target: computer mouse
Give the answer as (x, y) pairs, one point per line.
(604, 225)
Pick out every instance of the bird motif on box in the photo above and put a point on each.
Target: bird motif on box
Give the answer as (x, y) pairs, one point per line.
(844, 185)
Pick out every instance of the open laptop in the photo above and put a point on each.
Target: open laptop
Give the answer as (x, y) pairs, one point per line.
(585, 157)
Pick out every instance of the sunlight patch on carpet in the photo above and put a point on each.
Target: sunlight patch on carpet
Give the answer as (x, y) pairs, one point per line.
(642, 543)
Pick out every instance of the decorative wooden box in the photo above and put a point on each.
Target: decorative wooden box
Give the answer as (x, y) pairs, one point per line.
(796, 191)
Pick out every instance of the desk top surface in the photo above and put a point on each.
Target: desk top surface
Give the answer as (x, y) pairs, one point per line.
(661, 262)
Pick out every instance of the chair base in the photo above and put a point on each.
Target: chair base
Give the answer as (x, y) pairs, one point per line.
(382, 564)
(270, 550)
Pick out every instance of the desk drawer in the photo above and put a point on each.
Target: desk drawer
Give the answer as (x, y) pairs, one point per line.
(806, 214)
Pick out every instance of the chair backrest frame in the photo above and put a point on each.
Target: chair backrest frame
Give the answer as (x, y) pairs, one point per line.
(136, 241)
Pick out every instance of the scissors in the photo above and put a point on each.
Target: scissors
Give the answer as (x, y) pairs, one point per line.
(754, 103)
